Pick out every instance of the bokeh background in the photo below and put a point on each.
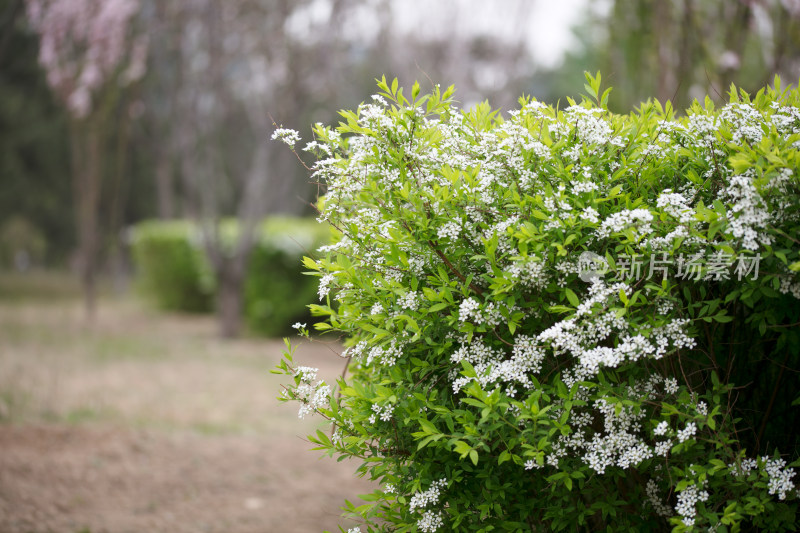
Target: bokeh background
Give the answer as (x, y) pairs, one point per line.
(151, 234)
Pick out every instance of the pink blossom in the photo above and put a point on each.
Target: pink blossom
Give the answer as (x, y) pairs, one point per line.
(84, 43)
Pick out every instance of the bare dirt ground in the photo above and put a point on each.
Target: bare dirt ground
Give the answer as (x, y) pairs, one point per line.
(148, 422)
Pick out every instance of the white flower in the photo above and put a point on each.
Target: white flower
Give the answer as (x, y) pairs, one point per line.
(687, 500)
(590, 215)
(584, 187)
(662, 448)
(655, 500)
(286, 136)
(420, 500)
(529, 272)
(313, 397)
(689, 431)
(451, 231)
(469, 308)
(298, 325)
(749, 215)
(676, 205)
(307, 374)
(531, 464)
(780, 478)
(671, 386)
(640, 219)
(324, 285)
(661, 428)
(410, 301)
(386, 414)
(430, 521)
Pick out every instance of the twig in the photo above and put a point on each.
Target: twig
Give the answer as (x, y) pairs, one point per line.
(453, 269)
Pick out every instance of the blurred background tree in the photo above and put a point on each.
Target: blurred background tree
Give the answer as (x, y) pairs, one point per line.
(221, 72)
(34, 147)
(190, 139)
(682, 50)
(90, 53)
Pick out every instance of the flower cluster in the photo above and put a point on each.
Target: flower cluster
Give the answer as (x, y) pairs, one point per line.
(655, 499)
(687, 502)
(749, 214)
(287, 136)
(313, 396)
(429, 497)
(383, 413)
(779, 478)
(688, 432)
(431, 520)
(638, 219)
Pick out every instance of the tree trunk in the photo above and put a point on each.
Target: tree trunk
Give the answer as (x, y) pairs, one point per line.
(86, 168)
(164, 192)
(119, 196)
(662, 23)
(230, 287)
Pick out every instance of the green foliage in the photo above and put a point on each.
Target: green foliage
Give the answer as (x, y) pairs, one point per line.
(34, 142)
(173, 270)
(171, 267)
(554, 322)
(19, 236)
(277, 292)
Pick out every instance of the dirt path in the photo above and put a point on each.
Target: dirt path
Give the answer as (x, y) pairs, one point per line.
(70, 479)
(147, 422)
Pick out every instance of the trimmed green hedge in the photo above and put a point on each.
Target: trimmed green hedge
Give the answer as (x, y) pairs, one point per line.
(276, 291)
(174, 273)
(171, 267)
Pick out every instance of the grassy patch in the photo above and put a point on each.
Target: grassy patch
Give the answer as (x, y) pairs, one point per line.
(38, 285)
(139, 368)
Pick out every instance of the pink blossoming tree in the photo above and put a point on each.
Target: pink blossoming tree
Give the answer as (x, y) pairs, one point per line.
(90, 54)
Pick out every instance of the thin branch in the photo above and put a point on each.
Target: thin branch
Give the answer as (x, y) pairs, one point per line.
(453, 269)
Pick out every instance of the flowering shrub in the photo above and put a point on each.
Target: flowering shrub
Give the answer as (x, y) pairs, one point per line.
(563, 320)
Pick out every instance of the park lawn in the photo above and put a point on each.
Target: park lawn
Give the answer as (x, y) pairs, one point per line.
(139, 379)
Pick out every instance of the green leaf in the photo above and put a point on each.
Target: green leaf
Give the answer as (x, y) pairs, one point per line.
(310, 263)
(462, 448)
(427, 440)
(415, 91)
(572, 297)
(722, 317)
(623, 297)
(428, 427)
